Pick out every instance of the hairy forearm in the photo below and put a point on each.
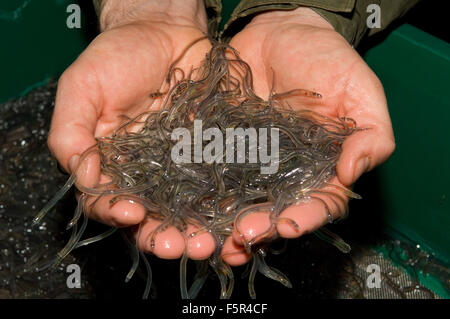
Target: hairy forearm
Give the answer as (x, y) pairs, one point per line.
(114, 13)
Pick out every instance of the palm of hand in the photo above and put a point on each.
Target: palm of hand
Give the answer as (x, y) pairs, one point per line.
(122, 66)
(115, 76)
(292, 56)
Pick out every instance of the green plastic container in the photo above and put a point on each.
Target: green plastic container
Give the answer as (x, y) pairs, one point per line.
(414, 68)
(36, 43)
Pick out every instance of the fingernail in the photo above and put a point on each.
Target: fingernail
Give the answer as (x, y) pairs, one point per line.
(361, 167)
(73, 163)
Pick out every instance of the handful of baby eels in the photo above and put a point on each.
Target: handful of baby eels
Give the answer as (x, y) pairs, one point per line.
(213, 182)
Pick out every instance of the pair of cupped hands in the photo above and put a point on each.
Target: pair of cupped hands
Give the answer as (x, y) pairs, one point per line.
(130, 59)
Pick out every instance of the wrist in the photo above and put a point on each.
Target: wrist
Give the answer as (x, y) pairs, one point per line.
(302, 15)
(189, 13)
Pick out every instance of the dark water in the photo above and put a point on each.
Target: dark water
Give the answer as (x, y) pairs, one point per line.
(29, 177)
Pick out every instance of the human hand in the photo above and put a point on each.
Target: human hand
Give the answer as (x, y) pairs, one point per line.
(115, 75)
(300, 49)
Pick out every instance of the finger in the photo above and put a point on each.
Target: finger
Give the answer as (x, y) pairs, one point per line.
(87, 170)
(201, 245)
(363, 151)
(308, 216)
(233, 253)
(325, 205)
(251, 227)
(167, 244)
(366, 103)
(123, 213)
(74, 119)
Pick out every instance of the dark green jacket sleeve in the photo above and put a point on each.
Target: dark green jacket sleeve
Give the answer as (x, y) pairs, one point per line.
(348, 17)
(97, 4)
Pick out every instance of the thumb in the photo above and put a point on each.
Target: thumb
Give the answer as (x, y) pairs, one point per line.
(73, 126)
(363, 151)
